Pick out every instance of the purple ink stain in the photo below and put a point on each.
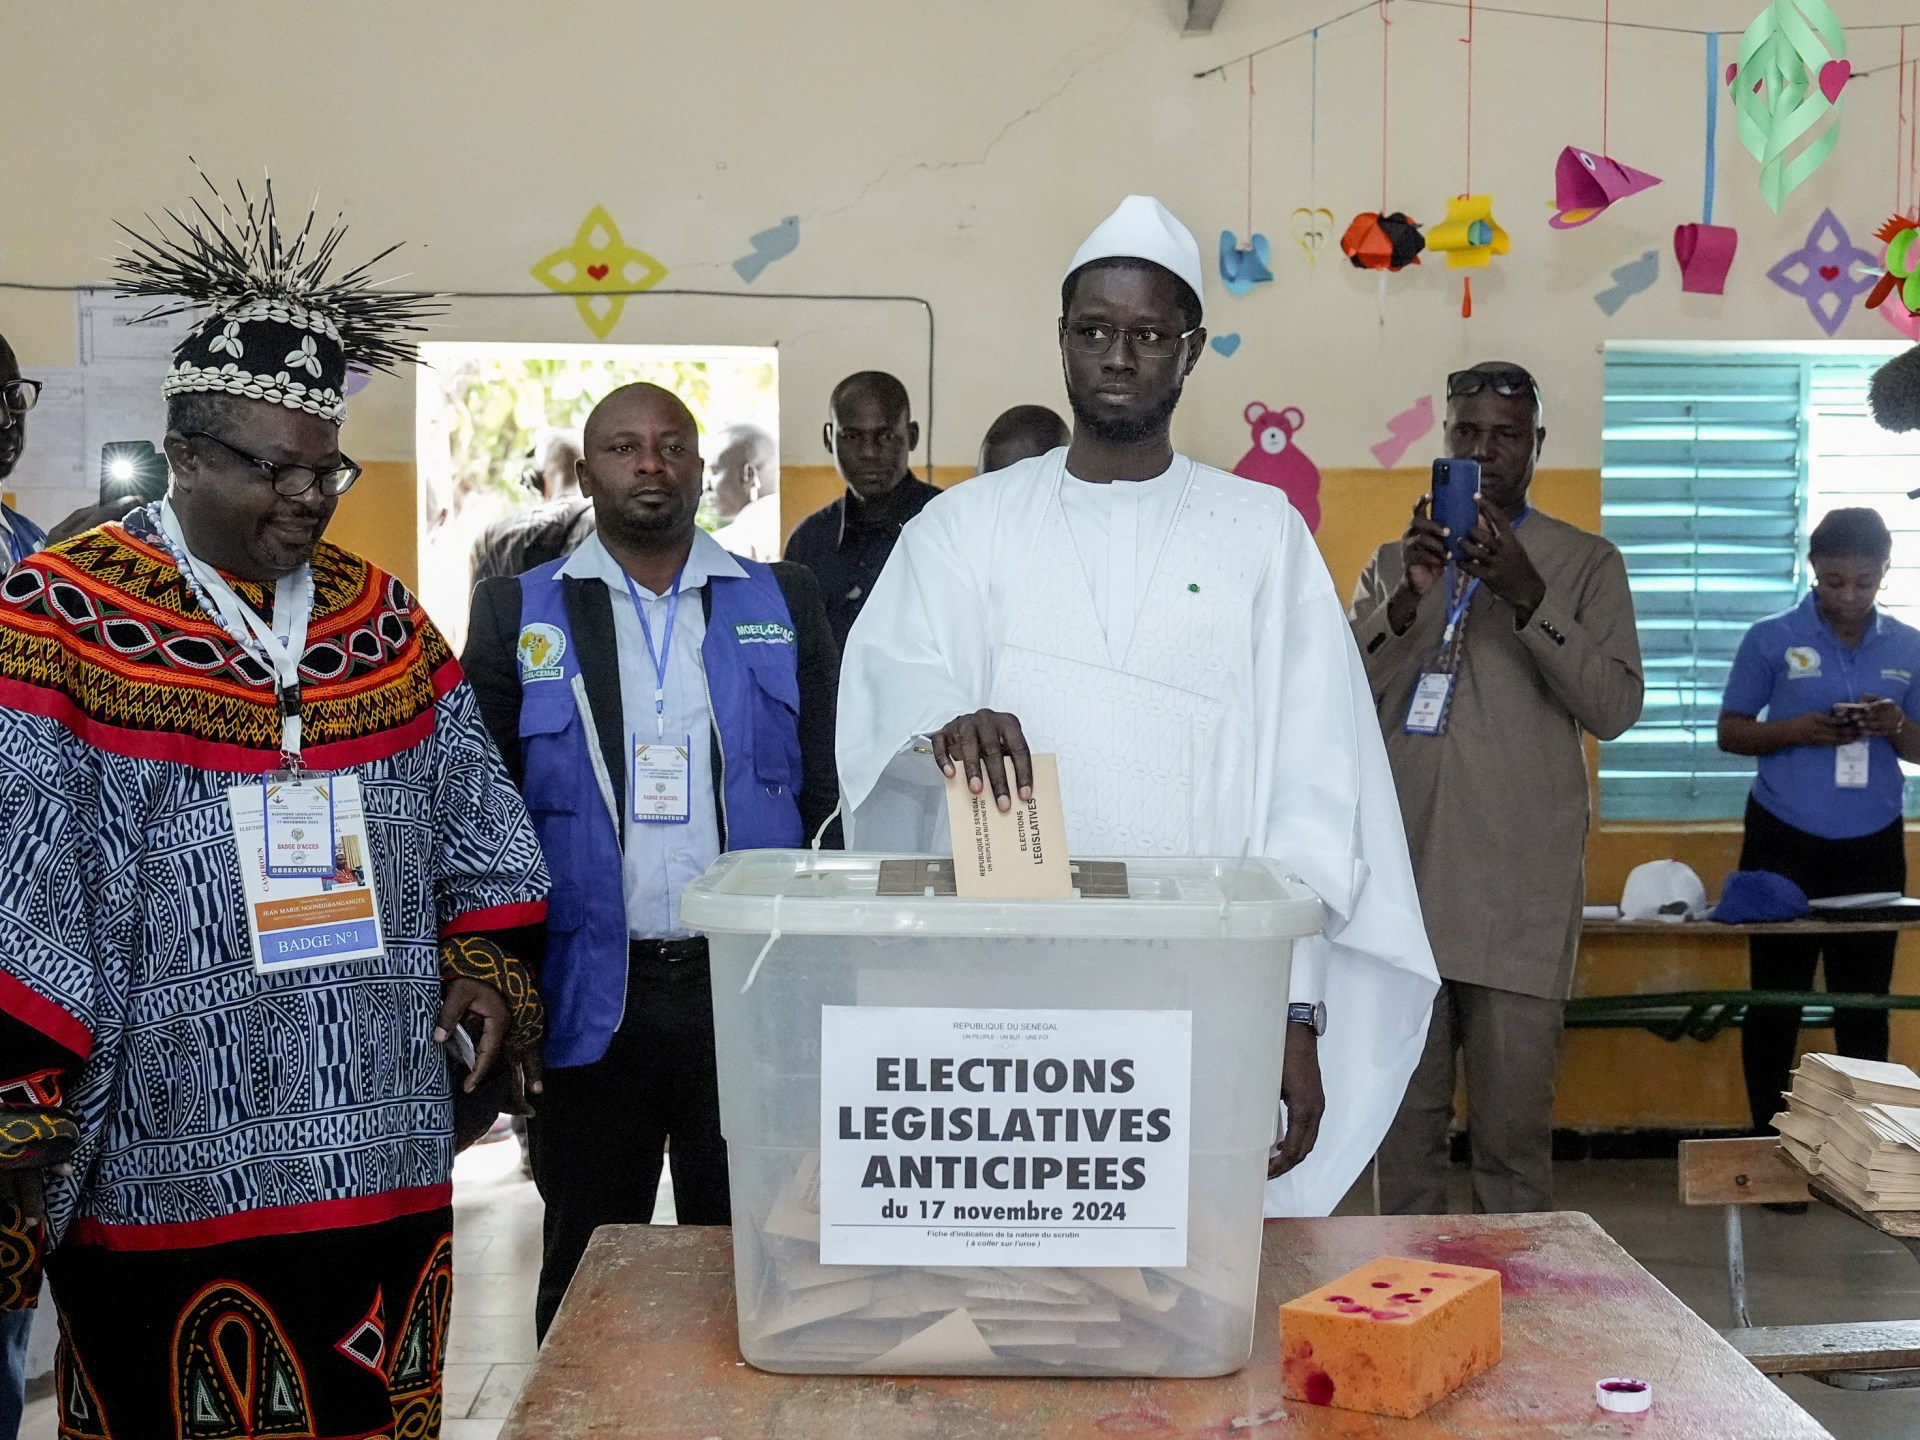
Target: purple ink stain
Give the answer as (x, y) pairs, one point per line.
(1383, 1285)
(1426, 1289)
(1339, 1299)
(1319, 1388)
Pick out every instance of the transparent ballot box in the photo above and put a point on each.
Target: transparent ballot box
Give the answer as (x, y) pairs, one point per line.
(998, 1137)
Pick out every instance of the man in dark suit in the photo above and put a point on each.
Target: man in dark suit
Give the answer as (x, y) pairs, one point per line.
(870, 433)
(658, 701)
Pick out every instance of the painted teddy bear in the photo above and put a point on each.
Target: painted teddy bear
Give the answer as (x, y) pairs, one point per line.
(1277, 460)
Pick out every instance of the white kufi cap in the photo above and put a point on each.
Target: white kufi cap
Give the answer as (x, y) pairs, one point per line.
(1144, 229)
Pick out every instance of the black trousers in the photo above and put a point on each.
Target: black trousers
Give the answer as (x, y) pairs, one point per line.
(598, 1134)
(1856, 964)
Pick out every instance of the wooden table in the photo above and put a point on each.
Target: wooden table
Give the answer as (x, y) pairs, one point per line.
(644, 1345)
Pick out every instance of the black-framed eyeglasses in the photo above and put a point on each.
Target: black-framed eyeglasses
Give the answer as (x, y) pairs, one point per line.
(290, 480)
(19, 396)
(1149, 341)
(1501, 382)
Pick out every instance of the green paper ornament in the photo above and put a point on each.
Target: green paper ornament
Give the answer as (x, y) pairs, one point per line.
(1791, 72)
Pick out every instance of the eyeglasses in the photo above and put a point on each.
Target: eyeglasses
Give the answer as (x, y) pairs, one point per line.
(1501, 382)
(291, 480)
(19, 396)
(1148, 342)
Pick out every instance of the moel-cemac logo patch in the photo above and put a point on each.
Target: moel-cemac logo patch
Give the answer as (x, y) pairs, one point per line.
(763, 632)
(1803, 662)
(1905, 677)
(540, 649)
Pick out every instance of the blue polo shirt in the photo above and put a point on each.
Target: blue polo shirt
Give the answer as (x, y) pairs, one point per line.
(1792, 663)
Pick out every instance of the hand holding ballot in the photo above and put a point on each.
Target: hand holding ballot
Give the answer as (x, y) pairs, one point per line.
(994, 736)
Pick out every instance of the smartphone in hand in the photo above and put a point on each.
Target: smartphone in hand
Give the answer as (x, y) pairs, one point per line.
(1455, 490)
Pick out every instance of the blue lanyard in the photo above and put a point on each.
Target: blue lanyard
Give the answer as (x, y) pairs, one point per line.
(660, 656)
(1458, 609)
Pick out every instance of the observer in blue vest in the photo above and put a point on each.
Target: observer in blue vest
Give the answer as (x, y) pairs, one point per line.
(1836, 679)
(658, 701)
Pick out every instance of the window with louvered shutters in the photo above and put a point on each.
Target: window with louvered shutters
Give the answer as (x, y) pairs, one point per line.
(1714, 464)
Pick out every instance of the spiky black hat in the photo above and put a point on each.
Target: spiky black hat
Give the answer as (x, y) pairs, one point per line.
(278, 328)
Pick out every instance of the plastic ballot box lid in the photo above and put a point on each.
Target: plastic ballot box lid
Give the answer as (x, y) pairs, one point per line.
(807, 892)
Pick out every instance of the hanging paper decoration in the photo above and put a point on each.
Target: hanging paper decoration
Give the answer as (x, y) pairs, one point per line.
(1311, 223)
(1469, 236)
(1629, 280)
(1825, 272)
(1902, 277)
(1242, 269)
(596, 268)
(1705, 251)
(1585, 184)
(1705, 255)
(1383, 242)
(1311, 226)
(1791, 71)
(1226, 344)
(1276, 460)
(1902, 319)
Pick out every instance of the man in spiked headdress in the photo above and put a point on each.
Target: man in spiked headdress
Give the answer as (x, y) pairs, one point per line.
(261, 876)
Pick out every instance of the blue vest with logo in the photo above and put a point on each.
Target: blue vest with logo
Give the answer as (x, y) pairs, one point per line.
(751, 660)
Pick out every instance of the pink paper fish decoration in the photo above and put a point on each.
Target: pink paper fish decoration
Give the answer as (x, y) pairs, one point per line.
(1585, 184)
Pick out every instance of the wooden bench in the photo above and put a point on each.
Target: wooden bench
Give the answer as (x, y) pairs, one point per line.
(1828, 1351)
(1703, 1014)
(1871, 1355)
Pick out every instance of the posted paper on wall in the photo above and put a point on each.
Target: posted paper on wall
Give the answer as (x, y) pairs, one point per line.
(1004, 1137)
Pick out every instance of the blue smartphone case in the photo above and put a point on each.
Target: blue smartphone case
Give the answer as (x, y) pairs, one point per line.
(1455, 483)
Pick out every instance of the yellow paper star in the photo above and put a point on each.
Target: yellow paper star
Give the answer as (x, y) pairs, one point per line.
(598, 261)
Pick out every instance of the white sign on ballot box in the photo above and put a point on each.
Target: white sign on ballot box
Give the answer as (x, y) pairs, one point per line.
(1004, 1137)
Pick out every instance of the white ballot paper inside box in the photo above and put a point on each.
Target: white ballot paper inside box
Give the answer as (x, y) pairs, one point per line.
(962, 1137)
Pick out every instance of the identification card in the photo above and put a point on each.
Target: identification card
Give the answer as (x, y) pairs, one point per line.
(317, 920)
(1427, 714)
(662, 780)
(298, 814)
(1850, 766)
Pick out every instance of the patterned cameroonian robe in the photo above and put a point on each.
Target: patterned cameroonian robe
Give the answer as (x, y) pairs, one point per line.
(255, 1238)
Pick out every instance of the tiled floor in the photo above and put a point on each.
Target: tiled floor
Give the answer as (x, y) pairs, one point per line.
(1803, 1269)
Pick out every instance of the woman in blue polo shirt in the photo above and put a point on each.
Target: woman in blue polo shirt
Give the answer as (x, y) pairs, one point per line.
(1836, 679)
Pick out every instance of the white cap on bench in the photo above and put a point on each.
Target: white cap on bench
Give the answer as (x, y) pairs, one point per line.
(1663, 890)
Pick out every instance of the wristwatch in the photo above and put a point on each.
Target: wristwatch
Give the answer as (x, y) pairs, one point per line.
(1301, 1013)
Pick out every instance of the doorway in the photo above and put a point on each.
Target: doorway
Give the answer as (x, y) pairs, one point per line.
(481, 410)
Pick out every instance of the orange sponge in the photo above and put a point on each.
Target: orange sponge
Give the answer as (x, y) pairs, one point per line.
(1391, 1337)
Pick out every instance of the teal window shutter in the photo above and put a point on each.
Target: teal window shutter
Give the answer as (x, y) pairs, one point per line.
(1702, 460)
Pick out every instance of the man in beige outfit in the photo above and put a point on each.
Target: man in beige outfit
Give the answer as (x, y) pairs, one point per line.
(1494, 790)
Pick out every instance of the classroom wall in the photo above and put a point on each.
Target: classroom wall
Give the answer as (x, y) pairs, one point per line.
(959, 153)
